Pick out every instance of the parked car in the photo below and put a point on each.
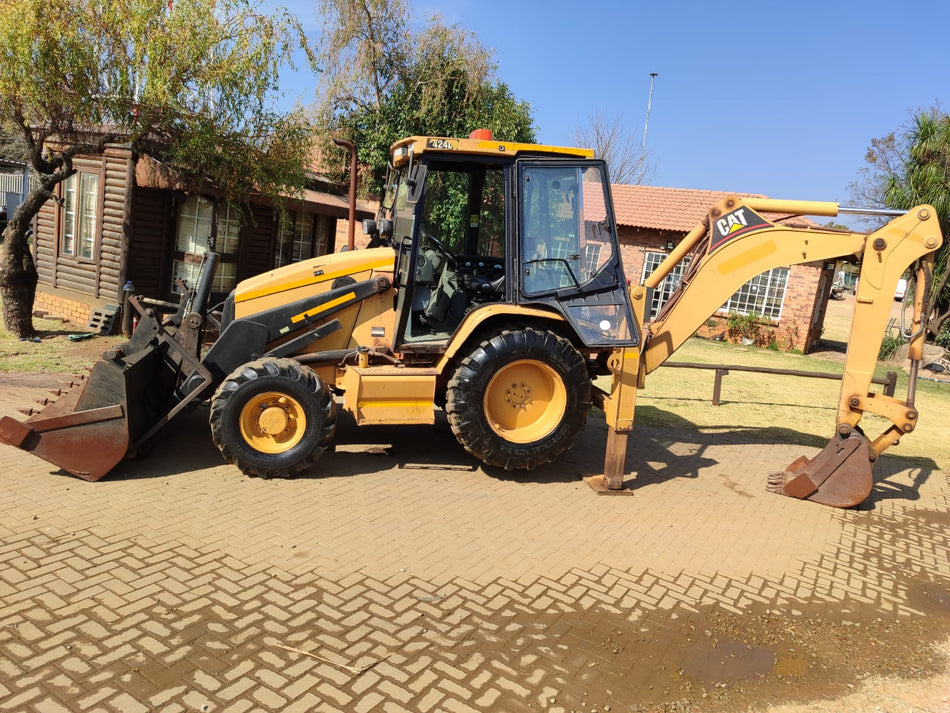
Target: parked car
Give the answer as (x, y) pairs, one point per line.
(901, 289)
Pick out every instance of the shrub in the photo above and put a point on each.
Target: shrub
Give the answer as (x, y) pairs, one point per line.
(889, 346)
(743, 326)
(943, 337)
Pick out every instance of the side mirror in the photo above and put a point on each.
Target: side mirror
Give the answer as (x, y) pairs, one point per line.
(369, 227)
(416, 183)
(386, 228)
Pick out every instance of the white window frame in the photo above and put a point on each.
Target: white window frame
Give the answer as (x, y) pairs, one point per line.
(297, 235)
(80, 215)
(591, 258)
(651, 261)
(306, 236)
(764, 295)
(195, 223)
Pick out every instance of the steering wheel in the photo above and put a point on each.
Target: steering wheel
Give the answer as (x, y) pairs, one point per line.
(441, 248)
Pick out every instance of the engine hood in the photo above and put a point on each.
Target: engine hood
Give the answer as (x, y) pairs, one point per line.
(309, 277)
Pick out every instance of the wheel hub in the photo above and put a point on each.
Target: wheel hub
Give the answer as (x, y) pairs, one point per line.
(518, 395)
(525, 401)
(273, 420)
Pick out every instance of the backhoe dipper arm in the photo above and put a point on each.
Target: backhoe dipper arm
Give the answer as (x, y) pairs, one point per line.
(737, 241)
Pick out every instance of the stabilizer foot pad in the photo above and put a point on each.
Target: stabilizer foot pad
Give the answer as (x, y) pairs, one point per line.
(598, 484)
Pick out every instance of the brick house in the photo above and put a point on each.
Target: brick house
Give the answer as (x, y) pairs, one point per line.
(791, 300)
(121, 218)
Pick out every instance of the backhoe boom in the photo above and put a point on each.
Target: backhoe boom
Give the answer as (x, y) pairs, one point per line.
(735, 242)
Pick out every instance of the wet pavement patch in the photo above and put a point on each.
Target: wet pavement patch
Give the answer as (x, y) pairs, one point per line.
(728, 661)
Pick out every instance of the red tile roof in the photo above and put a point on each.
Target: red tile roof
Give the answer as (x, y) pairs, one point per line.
(678, 209)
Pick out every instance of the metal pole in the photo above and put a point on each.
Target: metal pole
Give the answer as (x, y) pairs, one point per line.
(646, 125)
(351, 230)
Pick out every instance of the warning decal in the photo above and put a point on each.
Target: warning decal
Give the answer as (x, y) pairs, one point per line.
(739, 222)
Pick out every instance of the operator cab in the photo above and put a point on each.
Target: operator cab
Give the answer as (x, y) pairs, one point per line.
(478, 223)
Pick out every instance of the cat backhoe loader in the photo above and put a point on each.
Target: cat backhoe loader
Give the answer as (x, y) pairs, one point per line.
(493, 288)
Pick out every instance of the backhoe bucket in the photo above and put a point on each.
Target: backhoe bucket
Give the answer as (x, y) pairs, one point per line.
(840, 475)
(89, 429)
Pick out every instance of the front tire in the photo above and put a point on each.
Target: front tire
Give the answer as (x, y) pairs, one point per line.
(519, 399)
(272, 418)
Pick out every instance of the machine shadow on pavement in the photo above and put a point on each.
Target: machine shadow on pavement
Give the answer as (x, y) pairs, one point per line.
(185, 446)
(654, 457)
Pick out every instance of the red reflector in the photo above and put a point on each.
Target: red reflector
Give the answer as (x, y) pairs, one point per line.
(481, 135)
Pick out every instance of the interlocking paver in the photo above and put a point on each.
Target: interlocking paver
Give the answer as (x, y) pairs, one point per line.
(464, 590)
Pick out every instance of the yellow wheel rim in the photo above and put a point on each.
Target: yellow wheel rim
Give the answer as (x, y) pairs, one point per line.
(525, 401)
(272, 422)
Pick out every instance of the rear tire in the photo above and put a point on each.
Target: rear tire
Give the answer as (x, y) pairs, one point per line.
(272, 418)
(519, 399)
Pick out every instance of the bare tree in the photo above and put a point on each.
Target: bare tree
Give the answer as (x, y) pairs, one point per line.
(609, 137)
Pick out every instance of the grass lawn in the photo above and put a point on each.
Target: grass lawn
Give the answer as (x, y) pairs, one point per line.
(773, 407)
(55, 352)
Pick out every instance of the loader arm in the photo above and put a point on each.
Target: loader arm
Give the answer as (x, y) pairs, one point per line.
(734, 243)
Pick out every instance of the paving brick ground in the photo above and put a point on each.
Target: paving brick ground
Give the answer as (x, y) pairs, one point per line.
(400, 576)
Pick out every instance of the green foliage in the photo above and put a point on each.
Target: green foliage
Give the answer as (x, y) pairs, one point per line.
(383, 81)
(190, 83)
(943, 337)
(910, 167)
(744, 326)
(889, 346)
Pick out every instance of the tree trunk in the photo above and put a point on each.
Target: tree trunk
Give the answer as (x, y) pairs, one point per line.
(18, 278)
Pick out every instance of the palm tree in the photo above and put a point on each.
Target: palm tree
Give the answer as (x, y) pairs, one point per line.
(924, 177)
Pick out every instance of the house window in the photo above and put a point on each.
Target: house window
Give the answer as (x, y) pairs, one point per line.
(80, 202)
(196, 224)
(763, 295)
(296, 240)
(229, 228)
(651, 261)
(303, 236)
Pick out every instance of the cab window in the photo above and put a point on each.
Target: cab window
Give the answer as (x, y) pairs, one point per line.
(565, 238)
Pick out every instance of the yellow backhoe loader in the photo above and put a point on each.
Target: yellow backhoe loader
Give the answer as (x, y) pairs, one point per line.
(493, 288)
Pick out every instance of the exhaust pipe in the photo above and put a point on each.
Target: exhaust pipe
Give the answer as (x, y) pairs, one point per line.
(199, 301)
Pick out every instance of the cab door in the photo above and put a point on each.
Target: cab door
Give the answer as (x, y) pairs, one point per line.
(568, 254)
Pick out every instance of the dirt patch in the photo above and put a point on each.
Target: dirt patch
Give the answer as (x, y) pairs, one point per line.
(702, 657)
(714, 661)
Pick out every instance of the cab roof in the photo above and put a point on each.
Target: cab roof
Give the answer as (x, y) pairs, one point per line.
(484, 145)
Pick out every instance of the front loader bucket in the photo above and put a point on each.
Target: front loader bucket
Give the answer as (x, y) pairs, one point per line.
(839, 476)
(89, 429)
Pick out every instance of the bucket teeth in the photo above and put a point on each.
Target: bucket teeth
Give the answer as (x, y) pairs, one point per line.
(776, 482)
(27, 411)
(839, 476)
(44, 402)
(56, 392)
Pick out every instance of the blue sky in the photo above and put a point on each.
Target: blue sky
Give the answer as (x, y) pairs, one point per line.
(779, 98)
